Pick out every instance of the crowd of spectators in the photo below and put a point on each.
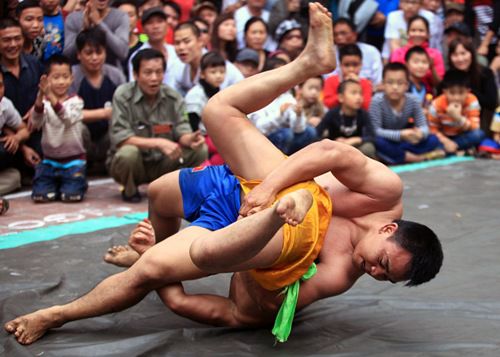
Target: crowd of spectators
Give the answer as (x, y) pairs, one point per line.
(118, 87)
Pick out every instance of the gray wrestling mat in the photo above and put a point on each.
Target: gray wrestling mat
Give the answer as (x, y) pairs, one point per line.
(456, 314)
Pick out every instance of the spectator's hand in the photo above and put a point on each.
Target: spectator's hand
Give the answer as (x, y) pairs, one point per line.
(43, 85)
(409, 135)
(314, 121)
(352, 76)
(196, 140)
(107, 113)
(11, 143)
(298, 108)
(169, 148)
(450, 146)
(482, 50)
(30, 156)
(284, 107)
(258, 199)
(454, 110)
(93, 14)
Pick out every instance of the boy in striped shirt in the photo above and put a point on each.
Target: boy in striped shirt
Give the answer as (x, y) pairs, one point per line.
(454, 115)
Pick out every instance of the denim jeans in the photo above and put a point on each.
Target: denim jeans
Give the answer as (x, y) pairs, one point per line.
(51, 182)
(289, 142)
(469, 139)
(393, 152)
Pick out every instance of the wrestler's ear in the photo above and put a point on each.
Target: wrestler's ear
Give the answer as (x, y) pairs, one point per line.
(389, 229)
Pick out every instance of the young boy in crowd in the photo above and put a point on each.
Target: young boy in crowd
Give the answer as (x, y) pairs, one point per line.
(308, 96)
(61, 174)
(350, 58)
(212, 74)
(30, 17)
(348, 122)
(418, 62)
(247, 61)
(53, 23)
(402, 133)
(95, 82)
(454, 115)
(282, 121)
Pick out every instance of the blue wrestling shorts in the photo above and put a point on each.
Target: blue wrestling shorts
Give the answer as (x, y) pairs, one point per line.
(210, 195)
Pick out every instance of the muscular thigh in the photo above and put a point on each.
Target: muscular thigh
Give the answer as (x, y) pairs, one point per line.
(248, 153)
(165, 195)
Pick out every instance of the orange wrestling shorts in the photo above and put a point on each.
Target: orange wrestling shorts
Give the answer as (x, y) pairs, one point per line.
(301, 244)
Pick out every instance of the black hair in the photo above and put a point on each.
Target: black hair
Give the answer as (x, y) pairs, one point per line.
(94, 37)
(416, 50)
(174, 6)
(474, 71)
(343, 85)
(345, 21)
(455, 78)
(212, 59)
(272, 63)
(253, 20)
(314, 77)
(421, 18)
(188, 25)
(26, 4)
(118, 3)
(57, 59)
(199, 19)
(424, 246)
(145, 55)
(8, 22)
(396, 66)
(230, 47)
(350, 50)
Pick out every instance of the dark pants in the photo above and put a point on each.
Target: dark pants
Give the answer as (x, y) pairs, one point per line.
(469, 139)
(289, 142)
(393, 152)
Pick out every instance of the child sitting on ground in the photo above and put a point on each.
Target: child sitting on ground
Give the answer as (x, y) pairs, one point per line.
(490, 148)
(308, 96)
(62, 172)
(348, 123)
(402, 133)
(350, 58)
(454, 115)
(213, 72)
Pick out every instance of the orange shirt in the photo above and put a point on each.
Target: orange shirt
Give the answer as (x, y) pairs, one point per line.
(441, 122)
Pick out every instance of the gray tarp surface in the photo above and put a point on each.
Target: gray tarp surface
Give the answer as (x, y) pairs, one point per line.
(457, 314)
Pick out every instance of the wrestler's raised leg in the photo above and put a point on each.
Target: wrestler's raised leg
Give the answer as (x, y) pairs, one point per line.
(165, 263)
(248, 153)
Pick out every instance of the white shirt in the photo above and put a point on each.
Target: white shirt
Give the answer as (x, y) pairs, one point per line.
(397, 28)
(269, 119)
(173, 62)
(8, 114)
(371, 65)
(241, 16)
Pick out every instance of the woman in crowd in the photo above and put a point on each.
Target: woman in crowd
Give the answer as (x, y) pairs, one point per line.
(462, 56)
(256, 32)
(224, 36)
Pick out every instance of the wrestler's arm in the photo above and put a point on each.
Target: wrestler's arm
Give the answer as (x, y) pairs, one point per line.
(378, 187)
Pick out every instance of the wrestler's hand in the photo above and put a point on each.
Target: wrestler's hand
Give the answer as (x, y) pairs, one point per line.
(258, 199)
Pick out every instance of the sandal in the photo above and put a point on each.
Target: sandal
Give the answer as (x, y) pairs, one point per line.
(5, 206)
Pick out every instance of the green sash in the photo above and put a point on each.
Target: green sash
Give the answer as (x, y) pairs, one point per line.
(284, 319)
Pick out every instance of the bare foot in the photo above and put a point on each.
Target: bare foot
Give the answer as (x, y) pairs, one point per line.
(121, 255)
(142, 237)
(319, 53)
(31, 327)
(293, 207)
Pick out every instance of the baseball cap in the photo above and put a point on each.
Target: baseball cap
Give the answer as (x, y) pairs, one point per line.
(154, 11)
(284, 27)
(247, 54)
(204, 5)
(459, 27)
